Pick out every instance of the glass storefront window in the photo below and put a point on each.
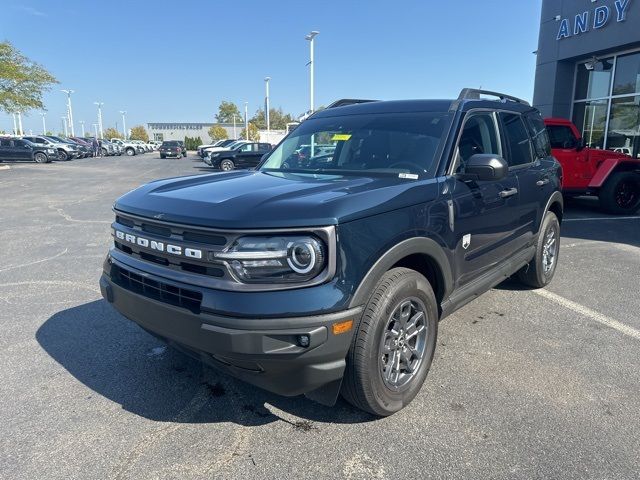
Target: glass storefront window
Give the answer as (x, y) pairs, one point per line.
(594, 83)
(627, 75)
(591, 120)
(624, 126)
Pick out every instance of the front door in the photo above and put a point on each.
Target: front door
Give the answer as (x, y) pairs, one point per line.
(485, 213)
(576, 170)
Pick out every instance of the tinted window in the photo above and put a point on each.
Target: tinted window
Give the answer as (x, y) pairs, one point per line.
(561, 137)
(249, 147)
(5, 142)
(19, 143)
(478, 136)
(539, 135)
(265, 147)
(516, 139)
(169, 144)
(627, 75)
(594, 83)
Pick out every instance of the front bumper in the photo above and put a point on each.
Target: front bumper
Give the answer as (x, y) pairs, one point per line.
(265, 352)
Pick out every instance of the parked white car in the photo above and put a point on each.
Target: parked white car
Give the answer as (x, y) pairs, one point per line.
(129, 146)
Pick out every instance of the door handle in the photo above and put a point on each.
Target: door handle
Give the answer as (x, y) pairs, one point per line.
(543, 182)
(510, 192)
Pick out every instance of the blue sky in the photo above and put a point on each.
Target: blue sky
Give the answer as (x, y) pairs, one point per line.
(166, 61)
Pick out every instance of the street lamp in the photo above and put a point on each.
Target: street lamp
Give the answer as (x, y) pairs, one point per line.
(69, 110)
(310, 37)
(44, 123)
(124, 125)
(234, 126)
(64, 125)
(19, 114)
(82, 127)
(246, 120)
(99, 104)
(266, 103)
(15, 123)
(95, 129)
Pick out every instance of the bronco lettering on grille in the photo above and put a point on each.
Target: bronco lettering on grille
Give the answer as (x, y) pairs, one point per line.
(159, 246)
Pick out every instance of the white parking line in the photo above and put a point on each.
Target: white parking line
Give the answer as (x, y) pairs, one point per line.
(592, 314)
(590, 219)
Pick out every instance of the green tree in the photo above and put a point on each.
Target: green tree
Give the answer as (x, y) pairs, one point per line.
(226, 111)
(216, 132)
(277, 119)
(112, 133)
(139, 133)
(254, 133)
(22, 81)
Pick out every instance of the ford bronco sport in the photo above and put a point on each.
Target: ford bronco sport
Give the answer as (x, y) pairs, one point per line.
(331, 277)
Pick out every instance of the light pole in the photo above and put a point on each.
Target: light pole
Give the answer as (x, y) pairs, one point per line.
(64, 124)
(82, 127)
(124, 125)
(234, 126)
(266, 104)
(44, 123)
(15, 122)
(310, 37)
(246, 120)
(69, 110)
(95, 129)
(99, 104)
(21, 132)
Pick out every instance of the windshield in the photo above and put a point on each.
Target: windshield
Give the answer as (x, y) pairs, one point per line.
(57, 139)
(169, 144)
(390, 143)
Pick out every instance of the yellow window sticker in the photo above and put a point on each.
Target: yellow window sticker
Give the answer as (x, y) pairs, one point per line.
(341, 137)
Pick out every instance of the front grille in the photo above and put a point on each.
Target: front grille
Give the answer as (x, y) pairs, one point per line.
(174, 234)
(179, 297)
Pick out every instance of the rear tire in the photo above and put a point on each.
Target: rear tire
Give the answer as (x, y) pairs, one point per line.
(393, 345)
(620, 194)
(541, 269)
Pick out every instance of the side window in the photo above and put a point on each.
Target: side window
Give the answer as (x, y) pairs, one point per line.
(247, 147)
(478, 136)
(539, 135)
(516, 139)
(561, 136)
(5, 142)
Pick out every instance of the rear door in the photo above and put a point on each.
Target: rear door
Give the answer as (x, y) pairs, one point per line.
(485, 212)
(22, 150)
(247, 156)
(6, 149)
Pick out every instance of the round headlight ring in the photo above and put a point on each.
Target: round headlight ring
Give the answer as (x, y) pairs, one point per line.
(296, 251)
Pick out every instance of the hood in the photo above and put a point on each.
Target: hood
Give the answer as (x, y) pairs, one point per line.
(598, 154)
(250, 199)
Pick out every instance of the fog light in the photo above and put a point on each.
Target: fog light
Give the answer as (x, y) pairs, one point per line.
(303, 340)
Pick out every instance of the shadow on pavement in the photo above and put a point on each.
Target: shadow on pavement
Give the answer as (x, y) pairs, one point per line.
(118, 360)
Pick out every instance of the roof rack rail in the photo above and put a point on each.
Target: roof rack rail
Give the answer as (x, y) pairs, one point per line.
(474, 94)
(348, 101)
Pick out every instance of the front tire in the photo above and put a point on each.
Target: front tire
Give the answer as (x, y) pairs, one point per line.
(162, 156)
(393, 346)
(620, 194)
(63, 156)
(227, 165)
(41, 158)
(541, 269)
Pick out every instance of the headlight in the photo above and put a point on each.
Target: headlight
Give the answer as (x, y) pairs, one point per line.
(286, 259)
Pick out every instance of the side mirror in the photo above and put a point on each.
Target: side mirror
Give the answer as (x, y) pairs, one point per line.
(484, 167)
(580, 144)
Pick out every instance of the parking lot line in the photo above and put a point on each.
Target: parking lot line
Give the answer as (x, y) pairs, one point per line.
(591, 219)
(592, 314)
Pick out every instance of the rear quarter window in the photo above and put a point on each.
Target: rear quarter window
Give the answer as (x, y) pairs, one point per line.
(539, 135)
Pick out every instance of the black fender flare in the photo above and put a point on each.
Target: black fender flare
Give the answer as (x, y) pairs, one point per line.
(556, 197)
(416, 245)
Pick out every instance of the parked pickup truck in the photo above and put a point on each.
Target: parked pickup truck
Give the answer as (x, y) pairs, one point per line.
(613, 177)
(130, 148)
(331, 277)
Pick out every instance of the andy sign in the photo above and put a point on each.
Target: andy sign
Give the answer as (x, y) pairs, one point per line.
(596, 19)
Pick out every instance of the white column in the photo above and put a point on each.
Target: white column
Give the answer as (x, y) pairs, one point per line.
(21, 132)
(246, 120)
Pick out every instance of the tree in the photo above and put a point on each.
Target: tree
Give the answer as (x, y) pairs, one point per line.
(254, 133)
(139, 133)
(226, 111)
(277, 119)
(112, 133)
(22, 81)
(216, 132)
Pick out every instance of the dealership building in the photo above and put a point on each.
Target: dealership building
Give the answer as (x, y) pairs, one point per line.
(588, 69)
(177, 131)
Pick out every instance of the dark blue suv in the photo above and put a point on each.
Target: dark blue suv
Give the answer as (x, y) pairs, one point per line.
(330, 276)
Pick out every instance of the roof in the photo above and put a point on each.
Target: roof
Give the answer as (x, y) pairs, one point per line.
(392, 106)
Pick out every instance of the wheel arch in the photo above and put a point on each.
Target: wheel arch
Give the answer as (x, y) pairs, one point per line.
(421, 254)
(555, 204)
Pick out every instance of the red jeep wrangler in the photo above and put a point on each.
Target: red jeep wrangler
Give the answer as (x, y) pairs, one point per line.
(613, 177)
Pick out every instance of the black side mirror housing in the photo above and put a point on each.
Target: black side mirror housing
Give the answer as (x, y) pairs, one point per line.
(485, 167)
(580, 144)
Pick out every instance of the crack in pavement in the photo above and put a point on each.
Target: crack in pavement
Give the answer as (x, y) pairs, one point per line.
(28, 264)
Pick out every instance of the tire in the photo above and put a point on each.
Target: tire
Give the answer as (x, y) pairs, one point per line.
(226, 165)
(40, 157)
(162, 156)
(370, 383)
(62, 155)
(541, 269)
(105, 152)
(621, 193)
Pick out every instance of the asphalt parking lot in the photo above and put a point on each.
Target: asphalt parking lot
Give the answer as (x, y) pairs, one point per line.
(524, 384)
